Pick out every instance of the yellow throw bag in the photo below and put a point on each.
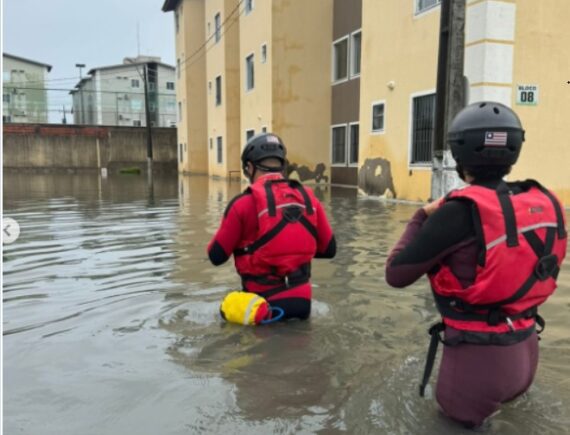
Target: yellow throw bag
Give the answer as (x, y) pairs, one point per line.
(246, 308)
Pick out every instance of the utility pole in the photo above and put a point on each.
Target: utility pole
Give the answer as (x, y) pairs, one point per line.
(81, 66)
(148, 123)
(451, 94)
(64, 120)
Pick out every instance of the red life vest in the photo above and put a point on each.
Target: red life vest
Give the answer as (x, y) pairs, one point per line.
(286, 239)
(525, 241)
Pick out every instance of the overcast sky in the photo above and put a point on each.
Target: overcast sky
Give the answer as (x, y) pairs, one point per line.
(62, 33)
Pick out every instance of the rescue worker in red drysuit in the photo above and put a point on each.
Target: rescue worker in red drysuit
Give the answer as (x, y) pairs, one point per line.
(492, 252)
(274, 229)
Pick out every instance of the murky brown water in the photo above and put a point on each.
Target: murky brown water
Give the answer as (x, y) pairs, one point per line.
(111, 323)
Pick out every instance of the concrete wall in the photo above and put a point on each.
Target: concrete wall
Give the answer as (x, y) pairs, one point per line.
(41, 146)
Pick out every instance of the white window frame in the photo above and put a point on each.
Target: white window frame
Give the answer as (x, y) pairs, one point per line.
(339, 165)
(216, 91)
(352, 165)
(418, 12)
(249, 10)
(351, 53)
(252, 55)
(173, 86)
(247, 131)
(261, 58)
(264, 128)
(414, 166)
(217, 35)
(135, 81)
(383, 130)
(333, 64)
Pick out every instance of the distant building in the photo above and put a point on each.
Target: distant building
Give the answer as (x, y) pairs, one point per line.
(114, 95)
(24, 96)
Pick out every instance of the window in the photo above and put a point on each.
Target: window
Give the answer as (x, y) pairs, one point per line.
(218, 27)
(248, 6)
(424, 5)
(179, 111)
(6, 118)
(136, 105)
(170, 86)
(135, 83)
(6, 98)
(264, 53)
(249, 134)
(180, 156)
(249, 73)
(423, 120)
(6, 76)
(211, 143)
(339, 145)
(377, 117)
(152, 86)
(176, 21)
(218, 90)
(355, 54)
(178, 68)
(220, 150)
(353, 144)
(340, 59)
(136, 123)
(264, 129)
(152, 106)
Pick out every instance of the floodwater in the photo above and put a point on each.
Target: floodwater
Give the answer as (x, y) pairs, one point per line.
(111, 323)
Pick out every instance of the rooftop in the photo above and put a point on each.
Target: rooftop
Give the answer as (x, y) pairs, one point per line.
(23, 59)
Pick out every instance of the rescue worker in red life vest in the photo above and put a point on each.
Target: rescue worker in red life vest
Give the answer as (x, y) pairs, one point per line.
(274, 229)
(492, 252)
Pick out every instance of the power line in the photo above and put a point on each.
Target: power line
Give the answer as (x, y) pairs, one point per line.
(87, 91)
(213, 34)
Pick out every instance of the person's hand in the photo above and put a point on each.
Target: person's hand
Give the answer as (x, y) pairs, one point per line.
(431, 207)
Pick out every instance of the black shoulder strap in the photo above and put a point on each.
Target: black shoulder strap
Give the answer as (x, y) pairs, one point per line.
(308, 204)
(557, 209)
(270, 198)
(503, 194)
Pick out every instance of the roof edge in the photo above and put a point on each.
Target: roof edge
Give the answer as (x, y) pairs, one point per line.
(170, 5)
(23, 59)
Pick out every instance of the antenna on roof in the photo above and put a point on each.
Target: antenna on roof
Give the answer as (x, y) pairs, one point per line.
(138, 39)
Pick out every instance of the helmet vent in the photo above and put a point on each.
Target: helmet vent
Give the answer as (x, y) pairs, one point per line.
(496, 110)
(482, 104)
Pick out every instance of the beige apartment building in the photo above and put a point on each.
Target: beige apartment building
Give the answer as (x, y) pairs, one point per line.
(513, 54)
(350, 85)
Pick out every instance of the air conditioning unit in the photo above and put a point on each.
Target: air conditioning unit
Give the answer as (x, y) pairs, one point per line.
(120, 117)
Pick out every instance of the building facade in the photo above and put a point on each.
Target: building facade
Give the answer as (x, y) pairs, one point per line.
(115, 95)
(24, 94)
(354, 96)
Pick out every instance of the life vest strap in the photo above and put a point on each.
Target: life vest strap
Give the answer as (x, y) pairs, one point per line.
(299, 276)
(294, 184)
(504, 195)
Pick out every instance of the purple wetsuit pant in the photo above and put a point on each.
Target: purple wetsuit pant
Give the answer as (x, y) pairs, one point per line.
(474, 379)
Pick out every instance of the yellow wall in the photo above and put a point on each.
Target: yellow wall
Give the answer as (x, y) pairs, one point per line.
(222, 59)
(400, 47)
(541, 57)
(255, 30)
(191, 90)
(301, 86)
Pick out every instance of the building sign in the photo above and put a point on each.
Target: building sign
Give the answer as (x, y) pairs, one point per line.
(527, 95)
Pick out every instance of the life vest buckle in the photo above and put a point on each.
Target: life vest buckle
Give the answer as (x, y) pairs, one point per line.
(510, 324)
(546, 267)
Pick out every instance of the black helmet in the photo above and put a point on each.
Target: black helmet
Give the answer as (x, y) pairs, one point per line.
(263, 146)
(486, 134)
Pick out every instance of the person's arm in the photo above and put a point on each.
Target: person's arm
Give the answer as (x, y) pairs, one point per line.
(228, 235)
(326, 243)
(427, 240)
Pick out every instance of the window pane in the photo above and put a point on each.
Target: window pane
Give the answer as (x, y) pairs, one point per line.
(426, 4)
(340, 59)
(249, 134)
(353, 152)
(423, 125)
(378, 117)
(356, 53)
(339, 145)
(219, 150)
(218, 91)
(250, 79)
(218, 25)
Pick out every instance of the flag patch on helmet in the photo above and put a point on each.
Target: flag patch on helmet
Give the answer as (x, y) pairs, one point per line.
(272, 139)
(496, 138)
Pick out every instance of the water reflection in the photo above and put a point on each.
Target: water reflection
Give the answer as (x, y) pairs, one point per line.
(111, 322)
